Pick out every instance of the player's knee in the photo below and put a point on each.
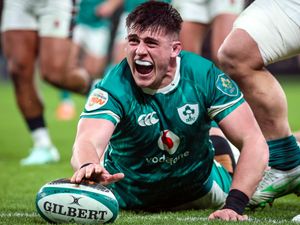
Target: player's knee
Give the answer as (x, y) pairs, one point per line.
(19, 72)
(232, 64)
(52, 79)
(53, 75)
(227, 59)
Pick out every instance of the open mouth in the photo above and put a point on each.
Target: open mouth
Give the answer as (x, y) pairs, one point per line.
(143, 67)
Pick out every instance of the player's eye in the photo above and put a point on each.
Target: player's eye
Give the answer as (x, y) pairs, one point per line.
(133, 41)
(151, 44)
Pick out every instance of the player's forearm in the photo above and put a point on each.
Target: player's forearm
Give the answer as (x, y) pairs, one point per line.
(83, 153)
(116, 3)
(249, 171)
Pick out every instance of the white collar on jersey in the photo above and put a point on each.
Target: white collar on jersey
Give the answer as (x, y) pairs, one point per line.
(170, 86)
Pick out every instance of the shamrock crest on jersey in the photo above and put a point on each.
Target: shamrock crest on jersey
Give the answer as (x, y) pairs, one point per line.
(226, 85)
(188, 113)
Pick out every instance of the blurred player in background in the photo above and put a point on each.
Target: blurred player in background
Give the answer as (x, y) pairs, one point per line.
(200, 17)
(90, 41)
(37, 31)
(266, 32)
(66, 107)
(151, 116)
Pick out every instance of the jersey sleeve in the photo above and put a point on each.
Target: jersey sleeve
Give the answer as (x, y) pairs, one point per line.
(101, 105)
(112, 96)
(223, 93)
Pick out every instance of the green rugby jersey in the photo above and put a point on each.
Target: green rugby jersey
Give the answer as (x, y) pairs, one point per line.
(130, 5)
(86, 14)
(161, 140)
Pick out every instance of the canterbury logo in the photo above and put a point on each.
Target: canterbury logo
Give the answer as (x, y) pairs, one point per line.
(148, 119)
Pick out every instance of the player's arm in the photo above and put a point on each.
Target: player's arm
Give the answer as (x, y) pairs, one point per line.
(241, 128)
(108, 8)
(91, 140)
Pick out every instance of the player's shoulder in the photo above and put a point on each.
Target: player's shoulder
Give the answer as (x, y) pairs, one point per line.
(193, 60)
(194, 66)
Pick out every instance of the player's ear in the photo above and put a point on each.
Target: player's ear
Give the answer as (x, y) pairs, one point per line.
(176, 48)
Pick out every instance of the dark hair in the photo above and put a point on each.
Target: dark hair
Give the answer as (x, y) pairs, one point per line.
(156, 16)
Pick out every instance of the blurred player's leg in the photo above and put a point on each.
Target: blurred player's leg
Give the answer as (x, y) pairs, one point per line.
(20, 48)
(118, 49)
(221, 26)
(196, 21)
(255, 42)
(200, 16)
(90, 41)
(38, 30)
(66, 108)
(192, 36)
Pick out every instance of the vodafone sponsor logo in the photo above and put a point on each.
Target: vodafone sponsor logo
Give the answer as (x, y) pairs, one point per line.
(167, 159)
(168, 141)
(148, 119)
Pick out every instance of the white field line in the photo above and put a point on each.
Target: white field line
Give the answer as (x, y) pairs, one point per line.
(156, 216)
(17, 214)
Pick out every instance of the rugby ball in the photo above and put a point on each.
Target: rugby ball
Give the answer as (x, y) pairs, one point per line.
(61, 201)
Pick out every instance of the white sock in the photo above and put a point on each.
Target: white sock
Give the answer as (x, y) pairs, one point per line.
(41, 138)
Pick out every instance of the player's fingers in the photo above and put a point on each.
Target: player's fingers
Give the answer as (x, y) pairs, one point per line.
(242, 217)
(77, 177)
(89, 170)
(73, 178)
(233, 216)
(112, 178)
(116, 177)
(211, 217)
(217, 215)
(85, 172)
(227, 215)
(99, 169)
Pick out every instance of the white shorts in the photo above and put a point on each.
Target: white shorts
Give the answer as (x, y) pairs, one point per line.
(203, 11)
(276, 34)
(94, 41)
(51, 18)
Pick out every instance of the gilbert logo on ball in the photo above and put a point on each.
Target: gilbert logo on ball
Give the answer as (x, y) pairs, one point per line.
(61, 201)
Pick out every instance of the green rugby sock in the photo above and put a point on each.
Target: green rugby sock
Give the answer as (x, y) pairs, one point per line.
(284, 153)
(65, 95)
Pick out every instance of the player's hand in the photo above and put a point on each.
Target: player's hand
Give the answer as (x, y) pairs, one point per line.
(105, 10)
(96, 173)
(227, 215)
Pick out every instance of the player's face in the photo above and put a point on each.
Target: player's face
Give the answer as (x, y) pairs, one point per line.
(152, 58)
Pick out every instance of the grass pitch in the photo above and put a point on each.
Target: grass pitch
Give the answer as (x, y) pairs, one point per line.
(19, 185)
